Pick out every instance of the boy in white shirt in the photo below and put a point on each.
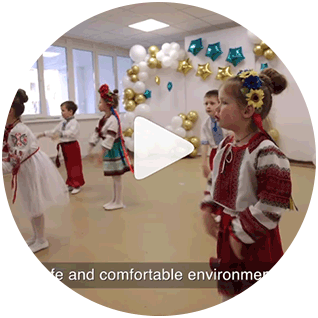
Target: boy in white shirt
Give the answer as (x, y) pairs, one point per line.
(68, 132)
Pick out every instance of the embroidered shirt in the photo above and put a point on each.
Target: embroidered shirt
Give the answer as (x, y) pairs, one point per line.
(211, 133)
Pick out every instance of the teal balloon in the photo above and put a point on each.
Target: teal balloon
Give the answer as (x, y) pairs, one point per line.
(214, 51)
(235, 56)
(169, 86)
(195, 46)
(263, 66)
(147, 94)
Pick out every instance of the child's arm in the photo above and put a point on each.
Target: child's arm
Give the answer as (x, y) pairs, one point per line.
(51, 133)
(72, 131)
(205, 166)
(273, 192)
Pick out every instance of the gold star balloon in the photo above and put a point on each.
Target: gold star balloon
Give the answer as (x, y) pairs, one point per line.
(184, 66)
(224, 73)
(204, 71)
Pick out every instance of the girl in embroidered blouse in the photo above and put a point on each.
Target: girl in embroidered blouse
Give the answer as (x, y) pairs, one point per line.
(35, 180)
(114, 155)
(250, 185)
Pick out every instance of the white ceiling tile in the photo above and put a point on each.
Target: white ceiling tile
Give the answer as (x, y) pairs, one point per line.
(171, 18)
(126, 31)
(227, 25)
(192, 25)
(178, 6)
(104, 25)
(126, 18)
(168, 31)
(197, 12)
(216, 19)
(151, 8)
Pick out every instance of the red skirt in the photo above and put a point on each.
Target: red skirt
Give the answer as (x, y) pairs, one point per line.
(212, 155)
(258, 257)
(73, 163)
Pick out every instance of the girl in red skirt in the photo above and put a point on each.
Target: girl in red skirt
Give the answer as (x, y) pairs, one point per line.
(68, 132)
(250, 185)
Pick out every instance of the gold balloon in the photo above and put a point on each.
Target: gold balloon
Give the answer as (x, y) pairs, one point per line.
(274, 134)
(224, 73)
(129, 93)
(195, 141)
(130, 72)
(153, 50)
(157, 80)
(135, 69)
(258, 50)
(128, 132)
(204, 71)
(263, 46)
(187, 124)
(193, 116)
(194, 153)
(130, 105)
(269, 54)
(187, 138)
(140, 98)
(183, 116)
(152, 62)
(134, 78)
(159, 64)
(184, 66)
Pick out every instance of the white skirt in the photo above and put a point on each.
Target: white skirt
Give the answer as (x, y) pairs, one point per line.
(40, 185)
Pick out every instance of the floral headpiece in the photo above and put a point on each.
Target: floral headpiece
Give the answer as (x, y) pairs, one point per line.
(252, 89)
(106, 95)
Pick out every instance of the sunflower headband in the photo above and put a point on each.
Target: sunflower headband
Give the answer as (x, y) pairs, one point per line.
(106, 95)
(252, 89)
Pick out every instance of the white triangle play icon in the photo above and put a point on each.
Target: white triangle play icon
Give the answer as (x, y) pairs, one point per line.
(156, 148)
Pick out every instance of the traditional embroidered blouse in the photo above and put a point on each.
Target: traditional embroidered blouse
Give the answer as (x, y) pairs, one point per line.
(252, 183)
(211, 133)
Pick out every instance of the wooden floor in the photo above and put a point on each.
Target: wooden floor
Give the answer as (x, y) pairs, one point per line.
(161, 223)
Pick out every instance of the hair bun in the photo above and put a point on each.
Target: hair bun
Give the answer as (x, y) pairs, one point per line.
(23, 97)
(115, 91)
(275, 81)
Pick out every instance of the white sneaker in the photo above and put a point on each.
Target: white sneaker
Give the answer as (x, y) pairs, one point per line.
(70, 188)
(76, 190)
(38, 246)
(31, 240)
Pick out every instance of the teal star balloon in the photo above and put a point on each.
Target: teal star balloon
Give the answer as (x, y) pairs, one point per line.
(195, 46)
(235, 56)
(169, 86)
(214, 51)
(147, 94)
(263, 66)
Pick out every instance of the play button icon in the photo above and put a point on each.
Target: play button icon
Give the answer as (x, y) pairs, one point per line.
(156, 148)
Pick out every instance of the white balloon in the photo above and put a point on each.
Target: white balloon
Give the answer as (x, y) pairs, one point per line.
(142, 110)
(174, 65)
(143, 76)
(181, 54)
(137, 53)
(126, 81)
(166, 61)
(139, 87)
(181, 132)
(147, 58)
(124, 125)
(176, 122)
(253, 38)
(160, 55)
(175, 46)
(130, 144)
(143, 67)
(169, 127)
(166, 48)
(174, 54)
(129, 118)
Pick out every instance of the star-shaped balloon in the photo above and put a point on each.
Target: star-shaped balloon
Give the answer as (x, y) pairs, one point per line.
(214, 51)
(204, 71)
(195, 46)
(263, 66)
(235, 56)
(224, 73)
(147, 94)
(169, 86)
(184, 66)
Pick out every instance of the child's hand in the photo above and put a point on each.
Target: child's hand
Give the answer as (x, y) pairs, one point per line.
(236, 247)
(206, 170)
(211, 226)
(40, 136)
(55, 137)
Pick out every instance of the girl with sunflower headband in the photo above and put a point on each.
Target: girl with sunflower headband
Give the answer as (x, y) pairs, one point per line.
(250, 185)
(114, 154)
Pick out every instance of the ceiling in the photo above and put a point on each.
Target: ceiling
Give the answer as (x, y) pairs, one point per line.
(111, 27)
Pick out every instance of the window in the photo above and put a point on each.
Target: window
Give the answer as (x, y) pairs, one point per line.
(55, 79)
(85, 91)
(32, 106)
(106, 71)
(123, 64)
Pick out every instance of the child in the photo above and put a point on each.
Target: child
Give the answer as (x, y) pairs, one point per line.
(114, 155)
(68, 132)
(211, 133)
(250, 185)
(34, 177)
